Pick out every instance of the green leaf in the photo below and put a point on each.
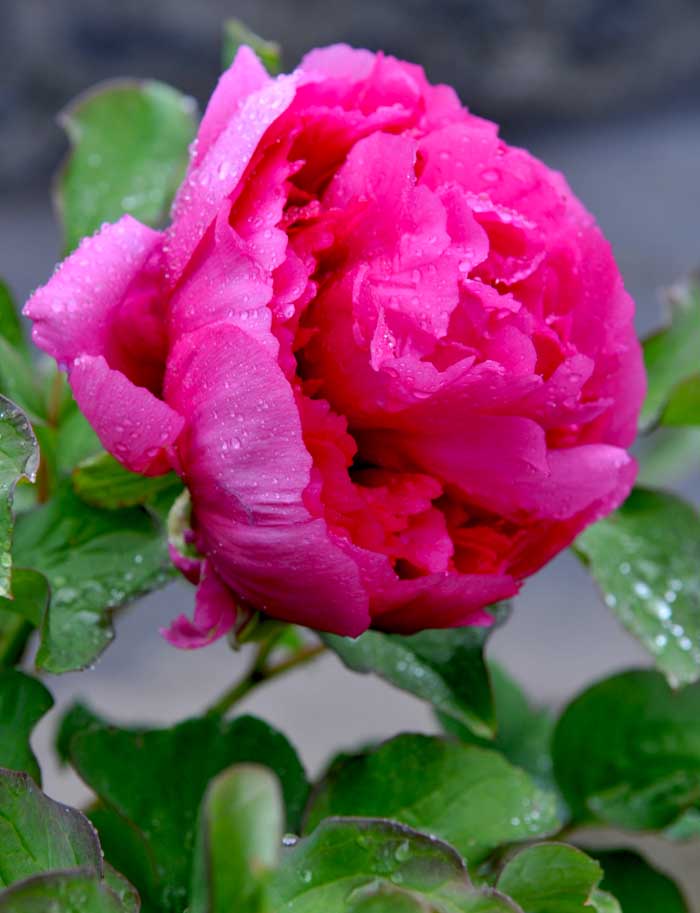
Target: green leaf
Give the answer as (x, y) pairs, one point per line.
(627, 752)
(129, 153)
(671, 355)
(30, 596)
(237, 34)
(10, 324)
(125, 892)
(523, 732)
(551, 878)
(65, 892)
(38, 835)
(76, 441)
(127, 851)
(23, 702)
(240, 833)
(19, 458)
(358, 865)
(639, 887)
(20, 614)
(687, 827)
(683, 407)
(95, 561)
(15, 631)
(155, 780)
(473, 799)
(645, 559)
(18, 379)
(102, 481)
(670, 455)
(445, 668)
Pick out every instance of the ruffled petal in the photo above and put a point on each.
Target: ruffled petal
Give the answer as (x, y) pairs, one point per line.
(133, 425)
(74, 312)
(215, 613)
(247, 469)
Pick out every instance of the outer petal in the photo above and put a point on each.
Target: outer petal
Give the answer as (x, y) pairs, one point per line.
(247, 470)
(245, 76)
(215, 613)
(73, 313)
(338, 61)
(133, 424)
(217, 176)
(440, 601)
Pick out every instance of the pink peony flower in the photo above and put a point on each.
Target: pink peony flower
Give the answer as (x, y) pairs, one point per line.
(390, 356)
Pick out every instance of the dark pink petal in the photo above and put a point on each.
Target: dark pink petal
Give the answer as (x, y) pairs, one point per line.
(74, 312)
(133, 425)
(439, 601)
(247, 469)
(190, 568)
(215, 613)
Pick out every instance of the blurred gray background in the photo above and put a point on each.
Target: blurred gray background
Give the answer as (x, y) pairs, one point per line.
(608, 91)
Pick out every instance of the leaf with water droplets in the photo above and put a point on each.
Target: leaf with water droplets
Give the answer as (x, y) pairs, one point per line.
(638, 887)
(523, 732)
(627, 752)
(370, 865)
(671, 355)
(150, 783)
(23, 702)
(129, 153)
(94, 560)
(555, 878)
(19, 458)
(645, 558)
(445, 668)
(236, 33)
(472, 798)
(67, 892)
(239, 841)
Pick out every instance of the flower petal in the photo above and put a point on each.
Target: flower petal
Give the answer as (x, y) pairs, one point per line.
(134, 425)
(245, 76)
(74, 312)
(247, 470)
(440, 601)
(218, 174)
(215, 613)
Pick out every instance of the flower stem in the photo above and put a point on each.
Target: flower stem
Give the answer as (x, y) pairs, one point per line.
(261, 672)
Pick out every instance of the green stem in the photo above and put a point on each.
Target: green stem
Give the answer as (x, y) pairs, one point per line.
(260, 672)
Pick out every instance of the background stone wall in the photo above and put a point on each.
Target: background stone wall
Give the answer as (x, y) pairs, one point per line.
(514, 60)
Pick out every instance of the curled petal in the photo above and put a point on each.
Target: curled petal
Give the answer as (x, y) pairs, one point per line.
(215, 613)
(74, 312)
(133, 425)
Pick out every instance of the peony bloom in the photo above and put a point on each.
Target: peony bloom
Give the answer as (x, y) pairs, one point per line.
(390, 356)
